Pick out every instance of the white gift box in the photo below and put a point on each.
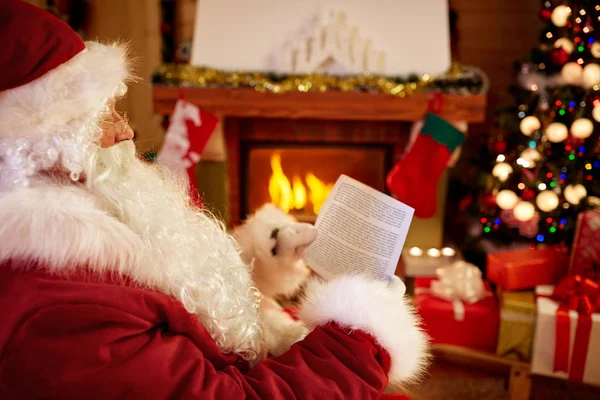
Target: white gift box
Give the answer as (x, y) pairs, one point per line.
(545, 340)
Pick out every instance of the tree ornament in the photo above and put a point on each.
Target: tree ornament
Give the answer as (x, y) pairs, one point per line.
(527, 194)
(590, 76)
(582, 128)
(500, 146)
(507, 199)
(532, 156)
(502, 171)
(529, 125)
(556, 132)
(575, 193)
(547, 200)
(595, 50)
(559, 57)
(560, 15)
(489, 200)
(565, 44)
(545, 14)
(596, 113)
(524, 211)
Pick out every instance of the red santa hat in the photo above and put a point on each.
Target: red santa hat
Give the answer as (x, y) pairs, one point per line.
(53, 89)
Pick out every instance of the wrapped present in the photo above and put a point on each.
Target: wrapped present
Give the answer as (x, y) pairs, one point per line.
(585, 253)
(517, 324)
(458, 307)
(567, 334)
(526, 268)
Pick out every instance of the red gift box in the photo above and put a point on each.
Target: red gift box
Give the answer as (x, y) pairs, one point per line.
(476, 328)
(526, 268)
(585, 255)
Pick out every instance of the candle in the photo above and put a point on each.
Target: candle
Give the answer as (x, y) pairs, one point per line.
(433, 252)
(448, 252)
(415, 251)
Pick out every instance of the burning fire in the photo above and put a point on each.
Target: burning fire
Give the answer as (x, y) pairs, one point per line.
(294, 196)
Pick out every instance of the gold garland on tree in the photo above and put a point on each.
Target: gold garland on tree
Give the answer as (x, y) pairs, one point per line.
(187, 75)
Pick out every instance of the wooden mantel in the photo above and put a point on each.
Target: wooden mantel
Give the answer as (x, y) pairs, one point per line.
(248, 103)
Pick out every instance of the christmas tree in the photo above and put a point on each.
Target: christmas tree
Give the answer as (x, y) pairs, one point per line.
(541, 165)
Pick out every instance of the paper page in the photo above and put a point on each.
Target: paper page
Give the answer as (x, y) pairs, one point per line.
(361, 231)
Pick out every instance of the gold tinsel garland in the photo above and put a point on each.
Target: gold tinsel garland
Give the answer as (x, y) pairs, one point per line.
(187, 75)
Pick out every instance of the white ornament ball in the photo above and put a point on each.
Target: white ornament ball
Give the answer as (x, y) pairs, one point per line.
(595, 50)
(556, 132)
(575, 193)
(547, 200)
(532, 156)
(502, 171)
(582, 128)
(560, 15)
(524, 211)
(571, 73)
(529, 125)
(590, 76)
(565, 44)
(596, 113)
(507, 199)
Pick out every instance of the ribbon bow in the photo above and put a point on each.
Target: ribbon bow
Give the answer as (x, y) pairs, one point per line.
(578, 294)
(461, 282)
(582, 295)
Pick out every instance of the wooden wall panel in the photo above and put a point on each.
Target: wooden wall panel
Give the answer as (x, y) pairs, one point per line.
(493, 34)
(137, 22)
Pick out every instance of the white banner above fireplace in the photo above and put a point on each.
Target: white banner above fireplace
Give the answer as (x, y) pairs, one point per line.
(341, 37)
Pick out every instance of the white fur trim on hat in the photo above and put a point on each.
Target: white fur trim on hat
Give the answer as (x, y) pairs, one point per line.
(359, 303)
(77, 88)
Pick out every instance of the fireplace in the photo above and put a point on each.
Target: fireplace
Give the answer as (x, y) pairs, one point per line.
(253, 120)
(304, 153)
(297, 177)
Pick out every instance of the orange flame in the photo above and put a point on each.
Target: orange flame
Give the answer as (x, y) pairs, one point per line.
(294, 196)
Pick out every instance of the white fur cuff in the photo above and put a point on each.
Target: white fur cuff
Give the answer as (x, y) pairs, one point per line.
(356, 302)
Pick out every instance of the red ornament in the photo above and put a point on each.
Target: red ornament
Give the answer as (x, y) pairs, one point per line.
(527, 194)
(489, 200)
(559, 56)
(545, 14)
(500, 146)
(465, 202)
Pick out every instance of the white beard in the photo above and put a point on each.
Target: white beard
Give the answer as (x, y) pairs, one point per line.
(196, 261)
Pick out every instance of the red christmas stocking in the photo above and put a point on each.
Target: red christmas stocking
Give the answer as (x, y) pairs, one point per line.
(185, 140)
(414, 179)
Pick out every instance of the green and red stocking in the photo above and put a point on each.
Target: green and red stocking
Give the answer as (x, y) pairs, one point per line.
(414, 179)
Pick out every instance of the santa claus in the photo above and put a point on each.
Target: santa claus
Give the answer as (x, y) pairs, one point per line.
(112, 286)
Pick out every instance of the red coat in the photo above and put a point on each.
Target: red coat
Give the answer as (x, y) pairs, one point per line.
(85, 338)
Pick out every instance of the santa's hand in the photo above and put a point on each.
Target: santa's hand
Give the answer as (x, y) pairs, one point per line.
(377, 307)
(397, 286)
(295, 238)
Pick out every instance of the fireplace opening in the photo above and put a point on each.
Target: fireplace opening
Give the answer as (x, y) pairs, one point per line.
(298, 178)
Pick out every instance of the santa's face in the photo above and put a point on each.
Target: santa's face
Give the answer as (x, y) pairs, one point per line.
(115, 128)
(189, 252)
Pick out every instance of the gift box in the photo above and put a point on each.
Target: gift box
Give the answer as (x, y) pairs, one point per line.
(567, 334)
(585, 254)
(526, 268)
(517, 324)
(457, 322)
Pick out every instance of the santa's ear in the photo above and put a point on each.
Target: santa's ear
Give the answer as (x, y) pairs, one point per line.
(294, 238)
